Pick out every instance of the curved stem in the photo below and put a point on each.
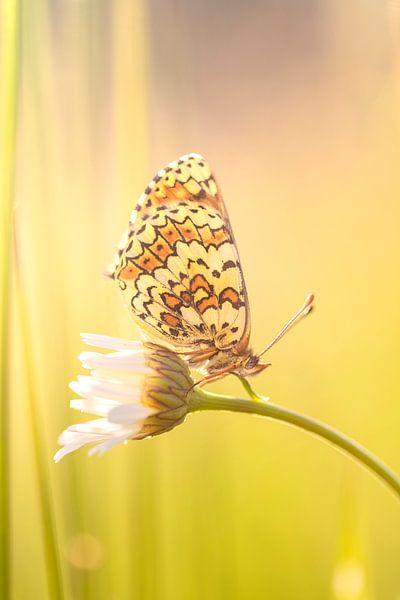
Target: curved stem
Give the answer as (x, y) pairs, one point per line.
(207, 401)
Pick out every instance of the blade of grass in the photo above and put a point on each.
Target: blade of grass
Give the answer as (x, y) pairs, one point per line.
(9, 55)
(53, 567)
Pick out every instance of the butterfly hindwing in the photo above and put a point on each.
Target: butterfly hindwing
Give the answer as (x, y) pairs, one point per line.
(178, 266)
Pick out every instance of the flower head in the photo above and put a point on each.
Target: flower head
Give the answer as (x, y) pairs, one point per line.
(138, 390)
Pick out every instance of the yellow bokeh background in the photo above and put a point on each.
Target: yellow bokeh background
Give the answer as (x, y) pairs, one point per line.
(296, 106)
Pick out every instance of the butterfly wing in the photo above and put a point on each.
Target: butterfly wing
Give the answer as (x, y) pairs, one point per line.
(178, 265)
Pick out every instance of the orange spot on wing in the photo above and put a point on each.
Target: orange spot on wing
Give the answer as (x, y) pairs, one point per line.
(161, 249)
(215, 238)
(171, 301)
(170, 232)
(230, 295)
(206, 235)
(148, 261)
(220, 236)
(170, 319)
(205, 303)
(130, 272)
(186, 297)
(188, 230)
(178, 192)
(200, 282)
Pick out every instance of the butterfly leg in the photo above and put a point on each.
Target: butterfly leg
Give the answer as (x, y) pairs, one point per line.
(198, 358)
(194, 356)
(209, 379)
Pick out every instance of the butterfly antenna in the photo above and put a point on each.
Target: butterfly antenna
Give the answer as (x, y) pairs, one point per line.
(303, 311)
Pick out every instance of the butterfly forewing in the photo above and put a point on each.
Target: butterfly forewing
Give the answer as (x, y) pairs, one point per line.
(178, 266)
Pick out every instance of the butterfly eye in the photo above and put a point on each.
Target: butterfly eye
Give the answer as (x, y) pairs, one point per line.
(251, 362)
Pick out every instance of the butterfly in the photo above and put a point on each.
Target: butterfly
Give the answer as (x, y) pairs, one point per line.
(179, 271)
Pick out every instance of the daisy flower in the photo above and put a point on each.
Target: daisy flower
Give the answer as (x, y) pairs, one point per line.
(138, 390)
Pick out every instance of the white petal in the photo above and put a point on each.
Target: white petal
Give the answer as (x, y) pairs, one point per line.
(80, 441)
(121, 375)
(129, 413)
(69, 436)
(105, 341)
(126, 359)
(95, 427)
(127, 367)
(115, 389)
(100, 449)
(99, 407)
(90, 387)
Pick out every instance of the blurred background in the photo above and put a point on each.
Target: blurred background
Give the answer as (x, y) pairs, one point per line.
(296, 105)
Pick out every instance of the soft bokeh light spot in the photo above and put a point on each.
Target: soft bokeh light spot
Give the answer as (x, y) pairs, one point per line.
(84, 551)
(348, 580)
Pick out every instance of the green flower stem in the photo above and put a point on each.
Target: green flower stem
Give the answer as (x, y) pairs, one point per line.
(206, 401)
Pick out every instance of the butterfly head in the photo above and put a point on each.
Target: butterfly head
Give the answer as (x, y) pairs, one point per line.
(251, 365)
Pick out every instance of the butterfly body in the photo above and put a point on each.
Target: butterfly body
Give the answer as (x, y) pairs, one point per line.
(224, 361)
(179, 271)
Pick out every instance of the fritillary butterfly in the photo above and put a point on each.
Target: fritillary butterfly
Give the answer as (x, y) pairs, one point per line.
(179, 271)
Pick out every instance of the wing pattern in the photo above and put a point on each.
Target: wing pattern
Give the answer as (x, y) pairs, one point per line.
(178, 265)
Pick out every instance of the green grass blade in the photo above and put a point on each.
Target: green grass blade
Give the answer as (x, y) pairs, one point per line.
(9, 51)
(40, 453)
